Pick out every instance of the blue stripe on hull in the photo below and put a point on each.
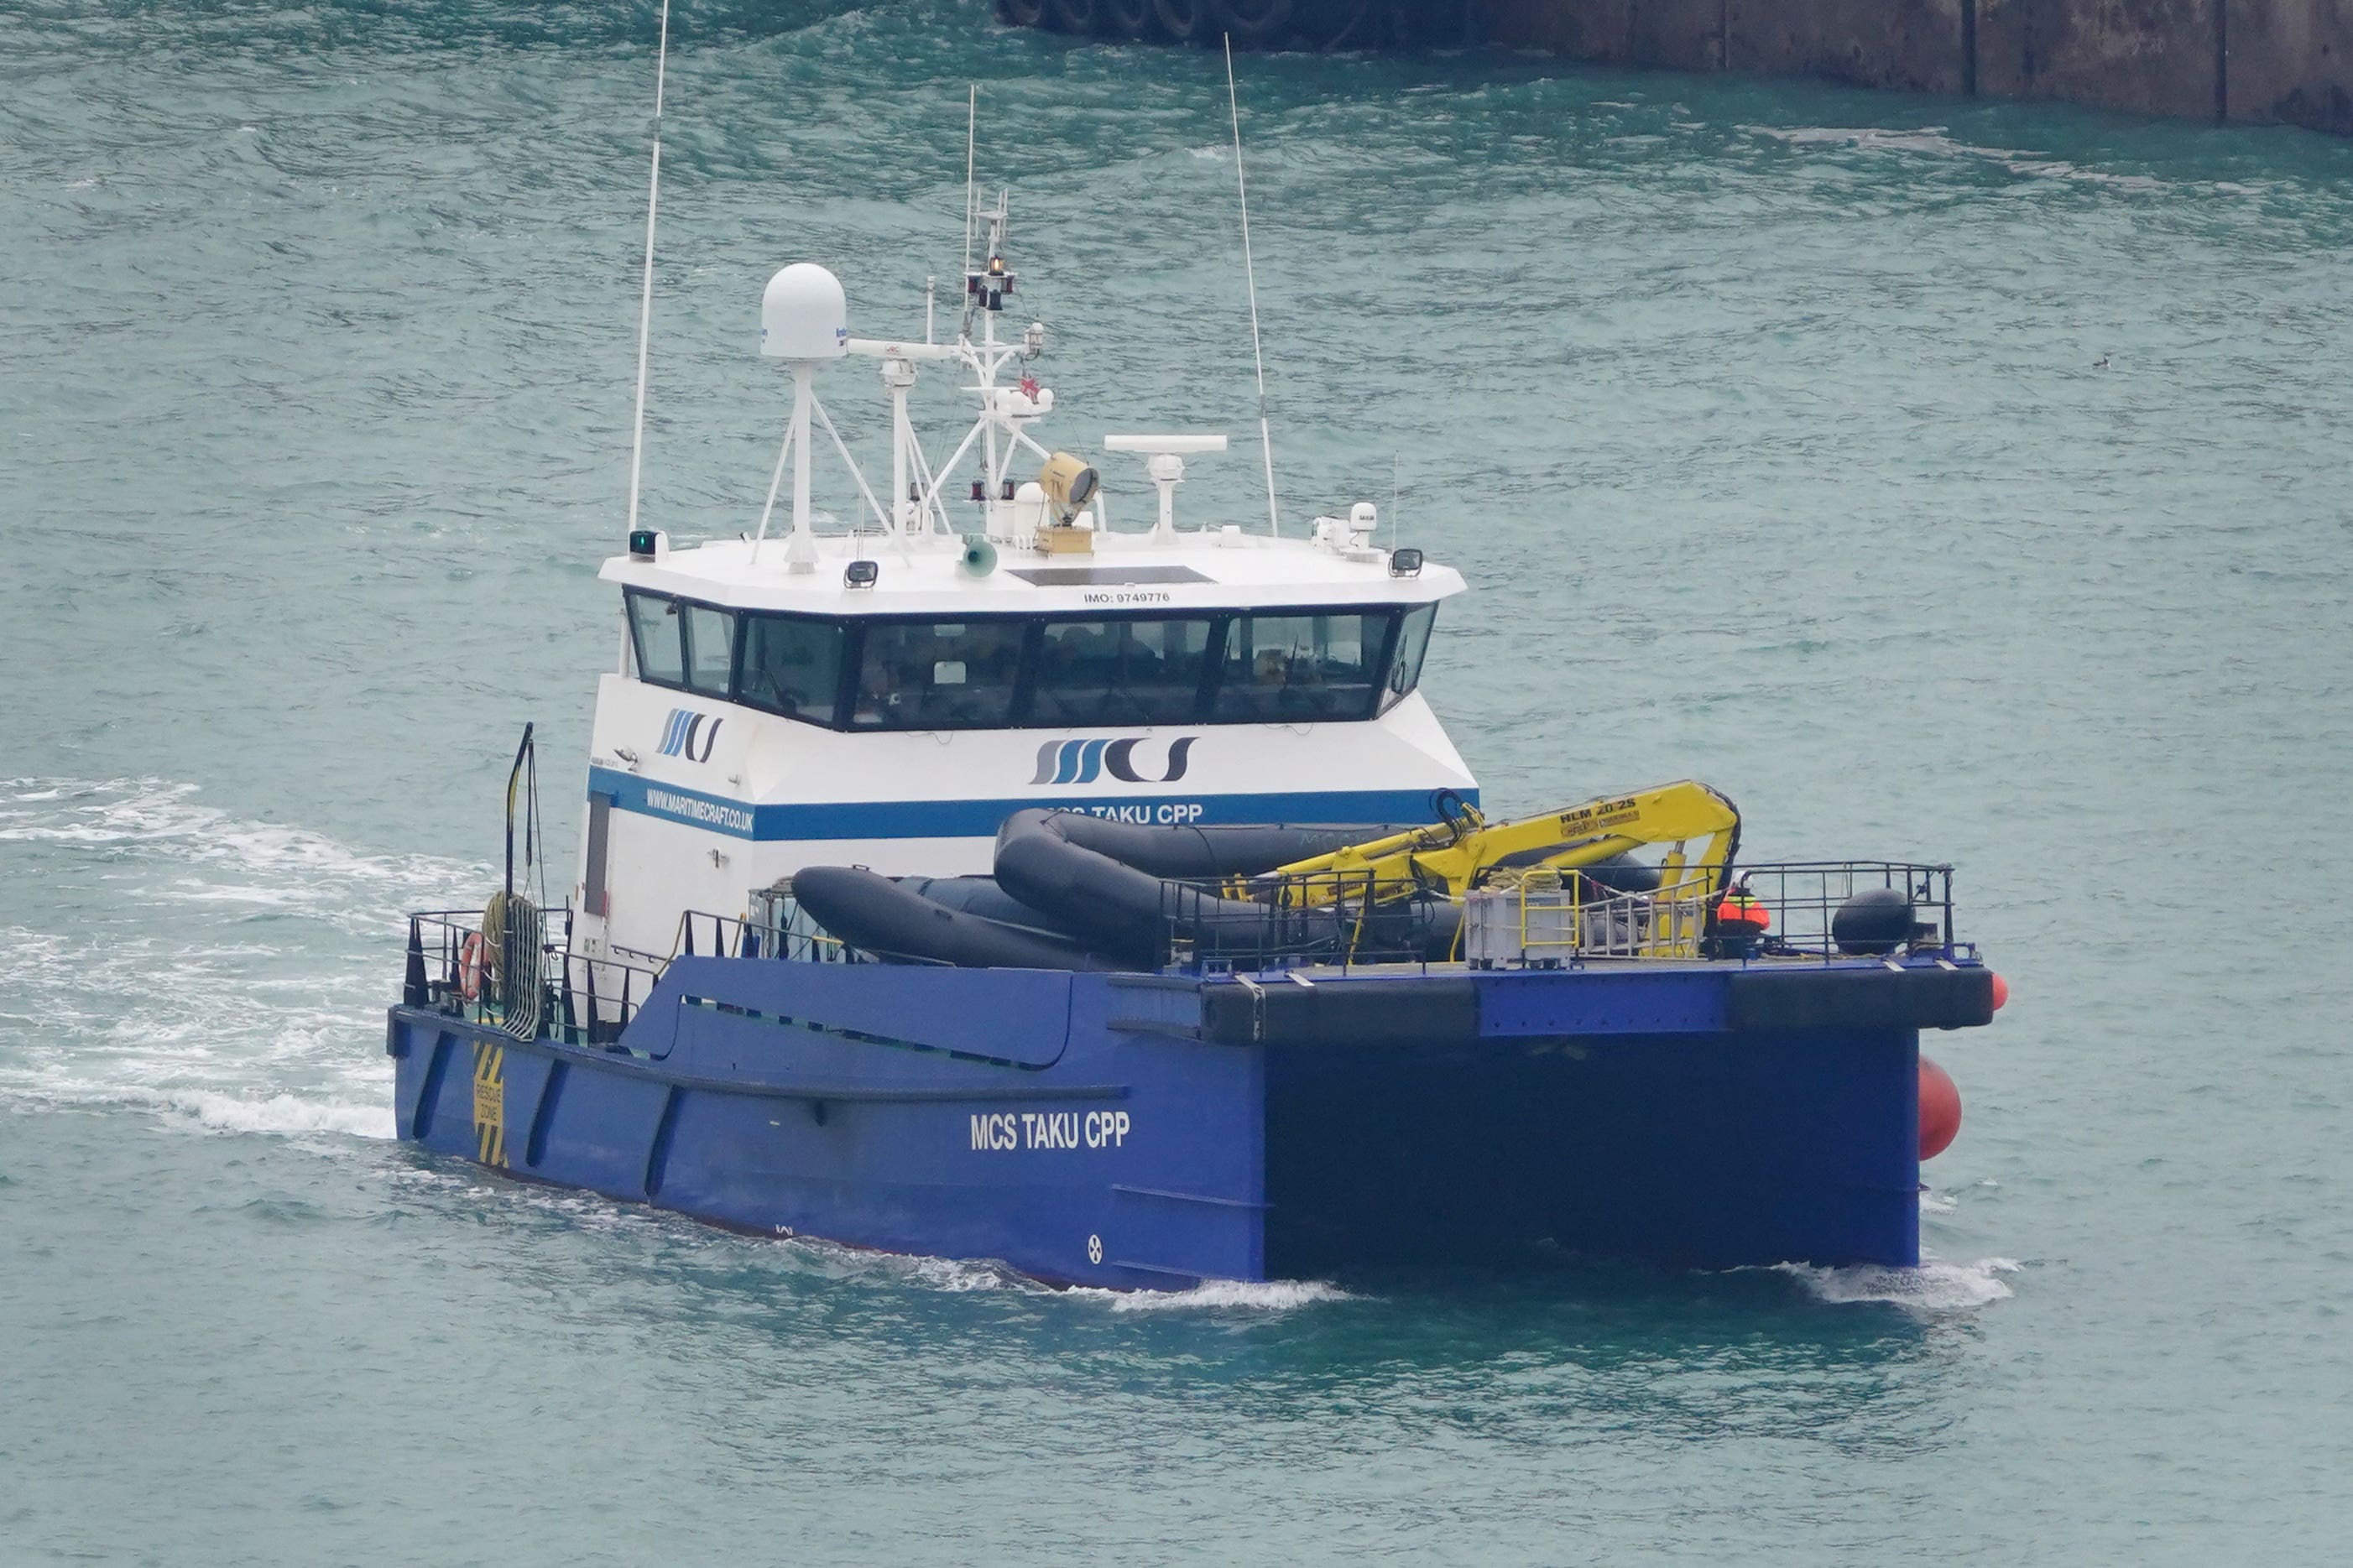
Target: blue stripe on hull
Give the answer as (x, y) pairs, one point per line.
(1041, 1124)
(981, 818)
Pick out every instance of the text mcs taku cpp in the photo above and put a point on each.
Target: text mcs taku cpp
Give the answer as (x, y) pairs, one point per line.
(1006, 1131)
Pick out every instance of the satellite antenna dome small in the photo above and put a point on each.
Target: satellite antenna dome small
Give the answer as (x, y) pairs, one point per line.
(803, 315)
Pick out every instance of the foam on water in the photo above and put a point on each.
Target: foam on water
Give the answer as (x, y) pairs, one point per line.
(1931, 141)
(159, 823)
(284, 1113)
(961, 1275)
(231, 978)
(1936, 1287)
(1270, 1297)
(967, 1276)
(958, 1277)
(1932, 1288)
(816, 1257)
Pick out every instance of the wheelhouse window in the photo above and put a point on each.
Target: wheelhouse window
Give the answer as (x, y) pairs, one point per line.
(792, 666)
(659, 638)
(1089, 673)
(710, 649)
(1301, 667)
(937, 675)
(1046, 672)
(1405, 660)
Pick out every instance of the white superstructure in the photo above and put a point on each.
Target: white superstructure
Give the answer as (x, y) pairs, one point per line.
(981, 641)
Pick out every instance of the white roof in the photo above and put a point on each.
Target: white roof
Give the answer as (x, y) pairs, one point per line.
(1219, 569)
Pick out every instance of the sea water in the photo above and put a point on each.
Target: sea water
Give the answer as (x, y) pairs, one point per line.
(1941, 480)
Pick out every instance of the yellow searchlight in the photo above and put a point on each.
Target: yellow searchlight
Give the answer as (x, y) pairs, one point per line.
(1069, 484)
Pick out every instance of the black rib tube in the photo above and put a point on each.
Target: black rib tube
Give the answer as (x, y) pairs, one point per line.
(877, 915)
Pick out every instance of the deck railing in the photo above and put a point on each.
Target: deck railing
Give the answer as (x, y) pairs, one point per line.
(521, 974)
(493, 971)
(1545, 918)
(516, 969)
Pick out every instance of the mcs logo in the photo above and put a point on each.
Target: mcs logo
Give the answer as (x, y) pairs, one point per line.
(1083, 761)
(686, 737)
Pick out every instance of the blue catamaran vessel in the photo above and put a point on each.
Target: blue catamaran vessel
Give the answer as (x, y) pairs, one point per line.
(1003, 876)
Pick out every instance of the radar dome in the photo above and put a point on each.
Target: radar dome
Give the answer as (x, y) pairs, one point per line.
(804, 315)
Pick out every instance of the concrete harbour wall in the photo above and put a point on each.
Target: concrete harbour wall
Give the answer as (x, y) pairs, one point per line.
(2241, 61)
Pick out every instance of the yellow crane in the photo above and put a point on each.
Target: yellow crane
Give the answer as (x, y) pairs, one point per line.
(1463, 852)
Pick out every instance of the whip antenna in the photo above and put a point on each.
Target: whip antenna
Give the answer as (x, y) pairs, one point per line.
(971, 126)
(1249, 278)
(646, 296)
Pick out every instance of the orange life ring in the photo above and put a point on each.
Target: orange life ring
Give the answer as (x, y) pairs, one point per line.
(471, 961)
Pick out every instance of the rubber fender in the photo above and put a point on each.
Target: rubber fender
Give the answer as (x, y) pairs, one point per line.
(1049, 860)
(1421, 25)
(1940, 1109)
(981, 896)
(1873, 922)
(1124, 18)
(1185, 21)
(1074, 15)
(1254, 24)
(1439, 929)
(1341, 23)
(875, 914)
(1804, 997)
(1621, 874)
(1424, 1011)
(1242, 850)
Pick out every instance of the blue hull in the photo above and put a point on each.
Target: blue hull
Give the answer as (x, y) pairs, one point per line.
(1150, 1132)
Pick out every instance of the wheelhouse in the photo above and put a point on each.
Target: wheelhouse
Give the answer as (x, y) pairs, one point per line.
(1316, 664)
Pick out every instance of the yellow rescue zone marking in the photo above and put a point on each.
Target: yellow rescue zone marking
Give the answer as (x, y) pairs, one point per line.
(491, 1103)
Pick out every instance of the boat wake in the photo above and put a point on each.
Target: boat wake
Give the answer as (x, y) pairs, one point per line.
(218, 972)
(290, 1114)
(957, 1277)
(1930, 141)
(1934, 1287)
(1267, 1297)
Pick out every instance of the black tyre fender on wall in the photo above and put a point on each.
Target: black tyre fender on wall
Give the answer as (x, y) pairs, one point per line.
(1124, 19)
(1341, 23)
(1185, 21)
(1078, 16)
(1021, 12)
(1254, 24)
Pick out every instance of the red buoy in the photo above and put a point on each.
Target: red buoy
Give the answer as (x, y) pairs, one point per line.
(1940, 1109)
(2001, 993)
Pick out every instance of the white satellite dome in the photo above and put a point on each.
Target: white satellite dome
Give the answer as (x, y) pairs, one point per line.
(803, 315)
